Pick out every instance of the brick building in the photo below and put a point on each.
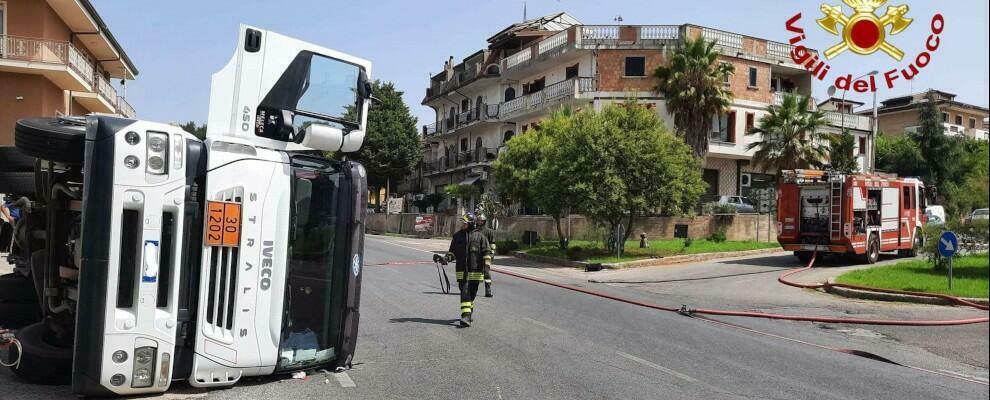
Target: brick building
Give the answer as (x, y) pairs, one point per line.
(898, 115)
(57, 58)
(529, 68)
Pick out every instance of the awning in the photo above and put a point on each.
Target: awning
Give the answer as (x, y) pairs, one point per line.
(470, 180)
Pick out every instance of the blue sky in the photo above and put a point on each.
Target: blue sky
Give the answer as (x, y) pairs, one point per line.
(177, 45)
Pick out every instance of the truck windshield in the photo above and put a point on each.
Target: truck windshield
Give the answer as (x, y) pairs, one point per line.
(311, 319)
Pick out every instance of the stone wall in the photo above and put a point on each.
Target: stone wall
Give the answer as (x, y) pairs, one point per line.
(736, 227)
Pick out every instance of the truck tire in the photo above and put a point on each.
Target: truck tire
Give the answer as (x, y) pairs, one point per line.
(804, 256)
(916, 245)
(872, 250)
(17, 182)
(41, 363)
(55, 139)
(13, 160)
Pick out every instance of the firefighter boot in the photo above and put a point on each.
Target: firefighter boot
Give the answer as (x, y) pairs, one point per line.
(466, 308)
(488, 288)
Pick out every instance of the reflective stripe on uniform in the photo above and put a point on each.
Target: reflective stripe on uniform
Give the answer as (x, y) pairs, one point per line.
(488, 281)
(459, 275)
(476, 276)
(466, 306)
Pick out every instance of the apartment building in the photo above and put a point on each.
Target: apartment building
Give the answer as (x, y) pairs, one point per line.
(898, 115)
(57, 57)
(529, 68)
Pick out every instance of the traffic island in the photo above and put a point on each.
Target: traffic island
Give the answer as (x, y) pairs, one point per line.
(970, 281)
(580, 254)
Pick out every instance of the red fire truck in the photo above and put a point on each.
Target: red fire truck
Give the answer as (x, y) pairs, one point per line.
(853, 214)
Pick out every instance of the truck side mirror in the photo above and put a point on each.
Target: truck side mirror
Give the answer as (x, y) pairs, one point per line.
(322, 137)
(352, 141)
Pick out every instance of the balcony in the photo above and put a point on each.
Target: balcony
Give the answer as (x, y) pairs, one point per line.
(124, 108)
(848, 121)
(486, 112)
(549, 96)
(60, 62)
(465, 159)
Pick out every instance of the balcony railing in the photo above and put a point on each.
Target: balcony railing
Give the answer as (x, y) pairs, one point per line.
(599, 34)
(105, 89)
(47, 51)
(659, 32)
(557, 40)
(722, 38)
(846, 120)
(519, 58)
(124, 108)
(778, 49)
(550, 93)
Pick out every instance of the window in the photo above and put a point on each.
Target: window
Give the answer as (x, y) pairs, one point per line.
(465, 105)
(750, 121)
(972, 123)
(537, 85)
(753, 77)
(3, 18)
(464, 144)
(635, 66)
(727, 75)
(907, 198)
(720, 128)
(510, 94)
(862, 145)
(508, 135)
(958, 119)
(945, 117)
(571, 72)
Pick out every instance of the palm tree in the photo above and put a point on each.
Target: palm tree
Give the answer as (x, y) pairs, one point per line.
(692, 85)
(791, 136)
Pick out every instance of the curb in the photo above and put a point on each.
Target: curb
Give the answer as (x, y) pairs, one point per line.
(882, 296)
(653, 262)
(649, 262)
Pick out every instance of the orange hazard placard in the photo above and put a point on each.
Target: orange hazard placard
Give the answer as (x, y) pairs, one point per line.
(223, 224)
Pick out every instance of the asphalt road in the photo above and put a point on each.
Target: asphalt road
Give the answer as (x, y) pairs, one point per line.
(537, 341)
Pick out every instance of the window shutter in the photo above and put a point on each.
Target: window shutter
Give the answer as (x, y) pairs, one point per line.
(732, 127)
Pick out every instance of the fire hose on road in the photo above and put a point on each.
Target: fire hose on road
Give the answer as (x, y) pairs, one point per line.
(754, 314)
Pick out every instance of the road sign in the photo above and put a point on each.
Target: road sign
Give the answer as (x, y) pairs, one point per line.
(948, 244)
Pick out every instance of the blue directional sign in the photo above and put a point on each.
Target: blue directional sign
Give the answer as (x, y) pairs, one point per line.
(948, 244)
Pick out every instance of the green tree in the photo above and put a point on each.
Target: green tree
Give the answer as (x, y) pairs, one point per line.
(391, 143)
(842, 148)
(622, 164)
(968, 188)
(791, 136)
(899, 155)
(531, 169)
(939, 151)
(691, 84)
(198, 131)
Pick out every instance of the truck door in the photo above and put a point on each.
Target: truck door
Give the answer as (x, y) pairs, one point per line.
(908, 207)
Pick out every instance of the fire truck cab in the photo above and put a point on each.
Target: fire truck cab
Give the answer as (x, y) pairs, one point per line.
(854, 214)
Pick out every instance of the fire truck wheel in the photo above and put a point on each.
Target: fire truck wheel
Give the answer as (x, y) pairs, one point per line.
(55, 139)
(872, 250)
(915, 246)
(804, 256)
(41, 363)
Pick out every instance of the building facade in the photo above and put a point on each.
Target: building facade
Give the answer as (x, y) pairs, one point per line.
(57, 58)
(898, 115)
(528, 69)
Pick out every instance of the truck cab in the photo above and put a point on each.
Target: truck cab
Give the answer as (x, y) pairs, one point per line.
(166, 257)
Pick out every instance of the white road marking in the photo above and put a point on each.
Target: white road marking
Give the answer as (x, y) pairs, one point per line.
(408, 247)
(657, 367)
(964, 375)
(344, 380)
(544, 325)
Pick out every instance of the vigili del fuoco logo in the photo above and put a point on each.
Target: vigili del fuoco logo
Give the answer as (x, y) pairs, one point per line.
(864, 32)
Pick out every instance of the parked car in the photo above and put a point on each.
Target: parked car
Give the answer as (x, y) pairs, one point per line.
(935, 214)
(741, 203)
(978, 214)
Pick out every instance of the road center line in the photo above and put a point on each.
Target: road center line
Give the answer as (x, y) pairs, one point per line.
(657, 367)
(544, 325)
(344, 380)
(985, 380)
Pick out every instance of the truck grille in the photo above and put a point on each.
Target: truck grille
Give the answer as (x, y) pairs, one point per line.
(222, 288)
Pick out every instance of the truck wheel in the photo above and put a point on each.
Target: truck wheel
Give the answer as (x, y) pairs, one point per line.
(41, 363)
(13, 160)
(916, 246)
(17, 182)
(55, 139)
(804, 256)
(872, 250)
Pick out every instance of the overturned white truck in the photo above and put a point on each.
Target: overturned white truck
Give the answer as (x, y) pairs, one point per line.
(156, 256)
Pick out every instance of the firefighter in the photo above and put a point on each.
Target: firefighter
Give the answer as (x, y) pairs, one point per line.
(471, 251)
(490, 235)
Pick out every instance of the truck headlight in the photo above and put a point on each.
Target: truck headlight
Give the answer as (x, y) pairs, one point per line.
(157, 153)
(144, 367)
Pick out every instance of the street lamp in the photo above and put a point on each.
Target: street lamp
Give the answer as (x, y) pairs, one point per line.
(842, 113)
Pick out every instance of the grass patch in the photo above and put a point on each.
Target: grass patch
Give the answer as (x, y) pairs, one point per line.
(595, 251)
(969, 277)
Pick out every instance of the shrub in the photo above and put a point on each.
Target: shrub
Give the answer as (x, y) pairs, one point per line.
(574, 253)
(717, 236)
(714, 207)
(506, 247)
(688, 241)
